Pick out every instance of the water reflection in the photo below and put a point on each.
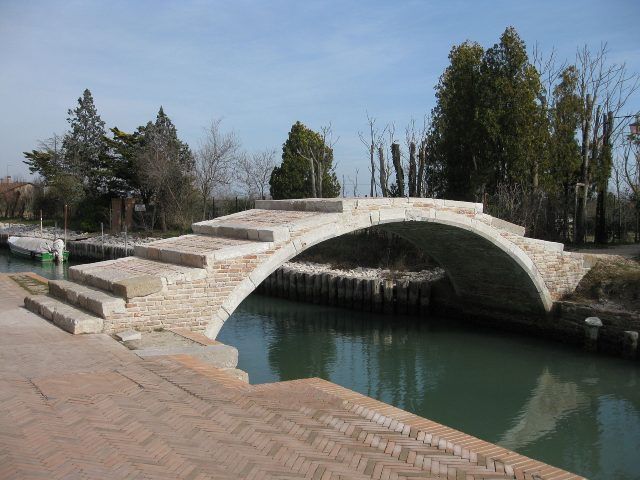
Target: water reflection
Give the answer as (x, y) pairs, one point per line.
(544, 400)
(13, 263)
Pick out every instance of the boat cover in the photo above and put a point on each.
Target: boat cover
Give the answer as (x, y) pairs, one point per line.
(31, 244)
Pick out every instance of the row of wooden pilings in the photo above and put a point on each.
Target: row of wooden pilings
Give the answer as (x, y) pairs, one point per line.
(368, 294)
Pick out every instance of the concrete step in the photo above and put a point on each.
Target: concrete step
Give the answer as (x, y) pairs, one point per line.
(132, 276)
(199, 251)
(65, 316)
(96, 301)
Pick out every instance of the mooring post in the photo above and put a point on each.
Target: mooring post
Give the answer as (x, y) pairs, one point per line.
(630, 344)
(592, 326)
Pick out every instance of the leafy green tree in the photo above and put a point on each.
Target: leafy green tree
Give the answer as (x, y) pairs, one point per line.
(295, 177)
(456, 169)
(165, 165)
(564, 167)
(509, 115)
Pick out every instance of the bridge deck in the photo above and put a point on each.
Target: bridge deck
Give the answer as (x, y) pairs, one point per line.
(86, 407)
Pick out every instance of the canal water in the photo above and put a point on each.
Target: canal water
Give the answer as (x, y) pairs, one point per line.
(551, 402)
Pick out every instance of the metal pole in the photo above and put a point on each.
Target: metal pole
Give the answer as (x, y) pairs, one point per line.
(125, 240)
(40, 223)
(102, 236)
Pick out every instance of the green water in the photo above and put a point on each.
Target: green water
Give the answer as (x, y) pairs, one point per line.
(13, 263)
(551, 402)
(554, 403)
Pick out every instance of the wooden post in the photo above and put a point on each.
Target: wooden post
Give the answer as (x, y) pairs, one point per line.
(367, 294)
(333, 289)
(285, 282)
(324, 288)
(317, 288)
(425, 297)
(342, 290)
(300, 279)
(357, 293)
(402, 296)
(387, 291)
(348, 292)
(308, 287)
(414, 297)
(65, 223)
(293, 290)
(279, 282)
(376, 295)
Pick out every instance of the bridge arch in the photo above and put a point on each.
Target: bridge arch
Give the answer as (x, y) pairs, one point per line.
(485, 267)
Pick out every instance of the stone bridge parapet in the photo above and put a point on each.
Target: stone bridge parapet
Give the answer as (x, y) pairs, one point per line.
(198, 280)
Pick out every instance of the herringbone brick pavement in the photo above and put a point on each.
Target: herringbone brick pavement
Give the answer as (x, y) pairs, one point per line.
(84, 407)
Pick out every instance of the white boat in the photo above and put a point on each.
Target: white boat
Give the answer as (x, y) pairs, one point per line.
(39, 248)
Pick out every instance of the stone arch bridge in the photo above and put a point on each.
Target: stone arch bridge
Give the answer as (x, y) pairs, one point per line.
(198, 280)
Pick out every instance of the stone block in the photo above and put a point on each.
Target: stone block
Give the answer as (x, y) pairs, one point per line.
(139, 286)
(128, 336)
(220, 356)
(237, 374)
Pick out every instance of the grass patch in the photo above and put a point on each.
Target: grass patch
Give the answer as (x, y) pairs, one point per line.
(612, 281)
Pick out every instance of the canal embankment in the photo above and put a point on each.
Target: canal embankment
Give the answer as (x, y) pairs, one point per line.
(605, 327)
(81, 245)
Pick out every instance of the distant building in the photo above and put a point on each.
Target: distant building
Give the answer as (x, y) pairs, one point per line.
(15, 197)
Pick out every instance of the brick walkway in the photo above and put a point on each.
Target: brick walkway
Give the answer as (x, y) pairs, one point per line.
(84, 407)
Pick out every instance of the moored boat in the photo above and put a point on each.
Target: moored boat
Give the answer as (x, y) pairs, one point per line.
(40, 249)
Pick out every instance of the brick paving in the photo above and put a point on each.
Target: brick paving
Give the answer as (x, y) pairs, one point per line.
(85, 407)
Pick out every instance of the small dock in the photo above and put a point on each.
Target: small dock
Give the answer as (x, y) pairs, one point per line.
(85, 406)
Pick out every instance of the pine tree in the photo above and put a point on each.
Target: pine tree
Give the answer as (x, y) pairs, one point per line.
(84, 145)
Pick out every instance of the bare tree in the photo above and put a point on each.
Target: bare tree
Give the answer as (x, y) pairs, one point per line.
(604, 88)
(255, 170)
(373, 142)
(214, 159)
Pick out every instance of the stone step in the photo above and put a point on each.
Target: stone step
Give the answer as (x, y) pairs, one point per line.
(96, 301)
(65, 316)
(264, 225)
(132, 276)
(199, 251)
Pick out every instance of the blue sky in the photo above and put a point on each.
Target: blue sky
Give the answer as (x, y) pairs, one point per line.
(263, 65)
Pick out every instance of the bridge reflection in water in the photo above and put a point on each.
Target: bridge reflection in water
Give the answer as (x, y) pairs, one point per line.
(546, 401)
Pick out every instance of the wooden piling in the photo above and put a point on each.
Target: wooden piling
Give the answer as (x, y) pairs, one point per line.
(387, 293)
(376, 295)
(402, 299)
(414, 297)
(317, 288)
